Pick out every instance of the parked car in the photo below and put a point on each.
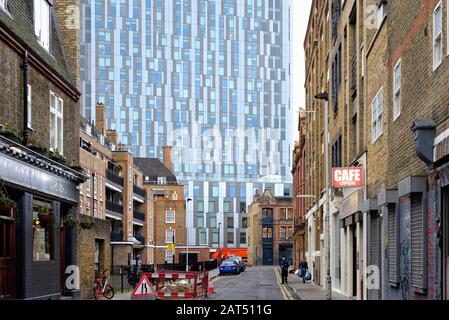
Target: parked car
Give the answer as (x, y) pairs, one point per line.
(239, 260)
(229, 266)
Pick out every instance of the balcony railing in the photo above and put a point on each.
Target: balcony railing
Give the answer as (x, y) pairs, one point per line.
(111, 176)
(140, 191)
(116, 236)
(114, 207)
(139, 216)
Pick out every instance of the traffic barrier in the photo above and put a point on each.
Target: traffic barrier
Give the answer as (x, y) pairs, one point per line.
(211, 286)
(179, 285)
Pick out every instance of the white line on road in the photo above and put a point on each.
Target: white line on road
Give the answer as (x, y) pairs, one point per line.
(285, 293)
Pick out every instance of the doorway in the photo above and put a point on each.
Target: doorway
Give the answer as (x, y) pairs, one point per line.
(267, 256)
(7, 249)
(354, 260)
(445, 242)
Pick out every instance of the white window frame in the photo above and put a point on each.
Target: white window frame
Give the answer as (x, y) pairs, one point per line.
(162, 181)
(58, 115)
(175, 196)
(377, 116)
(169, 235)
(169, 212)
(88, 186)
(95, 187)
(101, 189)
(42, 18)
(3, 4)
(437, 38)
(381, 13)
(29, 107)
(169, 256)
(397, 91)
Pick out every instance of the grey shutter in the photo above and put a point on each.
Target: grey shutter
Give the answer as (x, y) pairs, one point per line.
(392, 245)
(417, 242)
(374, 294)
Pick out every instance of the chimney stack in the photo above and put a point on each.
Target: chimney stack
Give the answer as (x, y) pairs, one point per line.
(111, 135)
(167, 157)
(100, 115)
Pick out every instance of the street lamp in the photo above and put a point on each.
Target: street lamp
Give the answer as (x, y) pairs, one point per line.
(328, 285)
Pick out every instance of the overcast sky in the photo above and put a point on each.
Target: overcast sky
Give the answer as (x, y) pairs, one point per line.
(301, 10)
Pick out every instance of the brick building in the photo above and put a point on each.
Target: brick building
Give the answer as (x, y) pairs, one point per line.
(39, 151)
(384, 66)
(270, 225)
(299, 195)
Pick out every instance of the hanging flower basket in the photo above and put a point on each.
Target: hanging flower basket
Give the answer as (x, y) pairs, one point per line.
(86, 223)
(46, 214)
(6, 203)
(70, 221)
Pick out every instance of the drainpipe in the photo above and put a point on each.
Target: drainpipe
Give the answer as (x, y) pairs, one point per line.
(26, 130)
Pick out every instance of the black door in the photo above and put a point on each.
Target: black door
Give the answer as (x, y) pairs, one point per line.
(7, 259)
(267, 256)
(354, 261)
(445, 242)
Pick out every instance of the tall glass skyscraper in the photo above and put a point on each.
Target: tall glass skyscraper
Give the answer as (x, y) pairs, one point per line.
(210, 78)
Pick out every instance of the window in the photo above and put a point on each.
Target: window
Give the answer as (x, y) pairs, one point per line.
(162, 180)
(283, 233)
(418, 243)
(169, 256)
(88, 186)
(267, 233)
(29, 107)
(377, 125)
(202, 237)
(215, 238)
(175, 196)
(381, 13)
(95, 187)
(56, 123)
(170, 216)
(226, 206)
(169, 236)
(101, 189)
(242, 207)
(230, 237)
(211, 206)
(244, 223)
(397, 90)
(43, 230)
(3, 4)
(42, 22)
(230, 222)
(242, 237)
(200, 206)
(437, 35)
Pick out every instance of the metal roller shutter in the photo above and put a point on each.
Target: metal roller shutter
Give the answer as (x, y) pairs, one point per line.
(373, 294)
(392, 245)
(417, 241)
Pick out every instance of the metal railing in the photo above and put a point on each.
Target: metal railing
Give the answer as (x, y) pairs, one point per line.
(139, 191)
(111, 176)
(139, 216)
(114, 207)
(116, 236)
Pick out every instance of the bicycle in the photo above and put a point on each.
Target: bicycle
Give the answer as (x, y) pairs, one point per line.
(102, 286)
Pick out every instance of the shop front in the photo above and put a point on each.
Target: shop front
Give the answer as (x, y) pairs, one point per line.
(38, 241)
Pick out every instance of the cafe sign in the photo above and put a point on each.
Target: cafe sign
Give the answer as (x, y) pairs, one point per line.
(347, 177)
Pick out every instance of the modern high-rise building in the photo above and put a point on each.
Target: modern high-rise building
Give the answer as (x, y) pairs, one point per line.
(211, 79)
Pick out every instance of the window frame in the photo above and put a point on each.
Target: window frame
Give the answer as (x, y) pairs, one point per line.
(39, 24)
(172, 238)
(167, 212)
(376, 116)
(438, 37)
(58, 115)
(29, 106)
(397, 92)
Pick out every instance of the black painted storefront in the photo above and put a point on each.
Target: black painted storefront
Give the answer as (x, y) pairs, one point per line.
(28, 180)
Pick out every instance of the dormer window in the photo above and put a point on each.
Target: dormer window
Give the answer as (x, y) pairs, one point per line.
(4, 4)
(162, 180)
(42, 22)
(382, 13)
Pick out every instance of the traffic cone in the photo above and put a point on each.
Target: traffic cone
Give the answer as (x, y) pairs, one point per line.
(211, 286)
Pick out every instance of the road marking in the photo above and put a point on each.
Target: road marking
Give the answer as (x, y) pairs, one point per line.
(285, 293)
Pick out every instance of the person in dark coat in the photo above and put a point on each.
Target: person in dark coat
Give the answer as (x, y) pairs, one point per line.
(284, 270)
(303, 267)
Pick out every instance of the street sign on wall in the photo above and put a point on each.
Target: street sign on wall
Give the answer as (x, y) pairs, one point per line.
(171, 247)
(347, 177)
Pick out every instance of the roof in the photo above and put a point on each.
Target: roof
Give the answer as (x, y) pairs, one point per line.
(154, 169)
(19, 23)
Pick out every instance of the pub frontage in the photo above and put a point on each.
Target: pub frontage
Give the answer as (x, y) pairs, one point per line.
(39, 202)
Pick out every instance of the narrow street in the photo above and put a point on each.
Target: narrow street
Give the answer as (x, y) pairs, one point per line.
(256, 283)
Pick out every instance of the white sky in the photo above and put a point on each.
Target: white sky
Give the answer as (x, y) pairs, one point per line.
(300, 19)
(301, 10)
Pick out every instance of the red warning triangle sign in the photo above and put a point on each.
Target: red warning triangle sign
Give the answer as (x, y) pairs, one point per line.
(144, 288)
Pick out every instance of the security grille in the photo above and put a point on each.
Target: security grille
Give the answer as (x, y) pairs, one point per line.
(392, 245)
(417, 244)
(373, 294)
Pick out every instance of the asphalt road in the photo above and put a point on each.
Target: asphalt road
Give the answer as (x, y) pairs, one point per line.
(256, 283)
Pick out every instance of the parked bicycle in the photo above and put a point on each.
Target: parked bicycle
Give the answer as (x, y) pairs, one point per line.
(102, 288)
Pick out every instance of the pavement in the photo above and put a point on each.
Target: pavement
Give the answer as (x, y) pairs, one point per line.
(310, 291)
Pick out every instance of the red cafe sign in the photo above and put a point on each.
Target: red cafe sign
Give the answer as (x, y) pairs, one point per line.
(347, 177)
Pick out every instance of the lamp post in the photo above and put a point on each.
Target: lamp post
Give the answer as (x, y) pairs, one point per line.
(328, 285)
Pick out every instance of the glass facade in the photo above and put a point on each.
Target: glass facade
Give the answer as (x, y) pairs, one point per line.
(211, 79)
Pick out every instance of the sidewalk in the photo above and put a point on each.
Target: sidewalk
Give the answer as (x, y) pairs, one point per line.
(310, 291)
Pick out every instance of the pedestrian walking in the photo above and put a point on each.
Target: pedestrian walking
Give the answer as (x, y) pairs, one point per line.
(284, 270)
(304, 267)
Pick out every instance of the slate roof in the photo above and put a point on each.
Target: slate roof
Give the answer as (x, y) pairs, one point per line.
(18, 20)
(154, 168)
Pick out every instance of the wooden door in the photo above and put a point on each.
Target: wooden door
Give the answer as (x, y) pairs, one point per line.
(7, 249)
